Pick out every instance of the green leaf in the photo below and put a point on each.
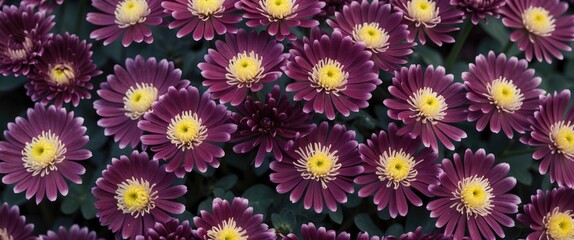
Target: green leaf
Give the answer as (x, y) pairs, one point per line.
(520, 167)
(226, 182)
(429, 55)
(14, 198)
(88, 208)
(337, 216)
(10, 83)
(395, 230)
(260, 197)
(496, 30)
(70, 205)
(366, 224)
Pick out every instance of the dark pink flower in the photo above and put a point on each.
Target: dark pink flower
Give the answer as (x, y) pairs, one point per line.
(74, 233)
(478, 9)
(550, 215)
(310, 232)
(13, 225)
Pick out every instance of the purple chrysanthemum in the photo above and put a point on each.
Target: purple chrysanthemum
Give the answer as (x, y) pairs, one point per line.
(473, 195)
(270, 126)
(13, 225)
(186, 126)
(170, 230)
(130, 92)
(43, 5)
(233, 220)
(202, 17)
(281, 15)
(23, 34)
(310, 232)
(428, 103)
(133, 193)
(244, 61)
(502, 92)
(550, 215)
(63, 72)
(131, 18)
(434, 19)
(479, 9)
(322, 165)
(328, 80)
(74, 233)
(379, 29)
(543, 28)
(553, 133)
(40, 152)
(394, 167)
(418, 235)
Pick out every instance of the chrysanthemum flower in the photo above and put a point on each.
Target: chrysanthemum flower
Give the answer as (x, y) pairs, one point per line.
(131, 18)
(202, 17)
(23, 34)
(75, 232)
(280, 15)
(328, 80)
(394, 167)
(502, 93)
(479, 9)
(233, 220)
(322, 165)
(473, 195)
(428, 103)
(550, 215)
(170, 230)
(133, 193)
(13, 225)
(418, 235)
(43, 5)
(553, 132)
(40, 152)
(186, 126)
(270, 126)
(543, 28)
(379, 29)
(310, 232)
(130, 92)
(434, 19)
(244, 61)
(63, 72)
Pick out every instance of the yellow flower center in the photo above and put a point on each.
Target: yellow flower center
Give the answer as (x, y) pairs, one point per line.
(559, 225)
(61, 74)
(372, 36)
(4, 234)
(41, 155)
(475, 195)
(397, 167)
(423, 12)
(186, 130)
(20, 51)
(228, 230)
(562, 135)
(204, 9)
(428, 104)
(138, 100)
(131, 12)
(538, 20)
(136, 196)
(245, 69)
(277, 9)
(505, 95)
(328, 75)
(318, 162)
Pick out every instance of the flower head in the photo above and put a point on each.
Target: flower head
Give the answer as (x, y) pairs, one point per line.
(75, 232)
(310, 232)
(13, 225)
(550, 215)
(479, 9)
(170, 230)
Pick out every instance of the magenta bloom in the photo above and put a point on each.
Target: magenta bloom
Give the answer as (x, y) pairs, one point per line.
(186, 126)
(240, 63)
(133, 193)
(130, 92)
(394, 167)
(322, 165)
(43, 5)
(310, 232)
(365, 236)
(132, 18)
(170, 230)
(74, 233)
(203, 18)
(473, 195)
(479, 9)
(428, 103)
(553, 133)
(502, 93)
(233, 220)
(550, 215)
(280, 15)
(23, 34)
(13, 225)
(379, 29)
(434, 19)
(269, 126)
(543, 28)
(42, 151)
(328, 80)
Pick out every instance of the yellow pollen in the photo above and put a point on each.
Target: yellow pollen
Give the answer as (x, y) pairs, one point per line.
(328, 75)
(4, 234)
(136, 197)
(372, 36)
(474, 195)
(428, 104)
(397, 167)
(138, 100)
(538, 20)
(423, 12)
(245, 69)
(505, 95)
(205, 8)
(131, 12)
(43, 153)
(318, 163)
(61, 74)
(562, 135)
(277, 9)
(559, 225)
(186, 130)
(228, 230)
(20, 53)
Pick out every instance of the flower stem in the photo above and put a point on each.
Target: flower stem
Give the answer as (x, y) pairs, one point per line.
(460, 39)
(507, 47)
(506, 154)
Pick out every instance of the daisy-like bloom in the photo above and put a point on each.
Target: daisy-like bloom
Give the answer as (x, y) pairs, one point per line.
(379, 29)
(434, 19)
(132, 18)
(233, 220)
(43, 5)
(310, 232)
(130, 92)
(550, 215)
(133, 193)
(553, 133)
(244, 61)
(479, 9)
(63, 73)
(281, 15)
(418, 235)
(322, 165)
(202, 17)
(269, 126)
(186, 126)
(328, 80)
(42, 151)
(428, 103)
(394, 167)
(502, 92)
(170, 230)
(473, 194)
(13, 225)
(543, 27)
(75, 232)
(23, 34)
